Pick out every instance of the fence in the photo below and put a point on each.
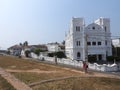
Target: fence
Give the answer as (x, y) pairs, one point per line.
(74, 63)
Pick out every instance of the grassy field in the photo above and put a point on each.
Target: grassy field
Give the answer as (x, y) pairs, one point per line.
(4, 85)
(24, 64)
(14, 63)
(81, 84)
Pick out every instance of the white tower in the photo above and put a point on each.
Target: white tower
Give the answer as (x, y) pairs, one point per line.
(74, 40)
(105, 24)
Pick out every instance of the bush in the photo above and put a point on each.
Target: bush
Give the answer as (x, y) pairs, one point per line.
(91, 58)
(58, 54)
(51, 54)
(112, 58)
(27, 52)
(37, 51)
(117, 58)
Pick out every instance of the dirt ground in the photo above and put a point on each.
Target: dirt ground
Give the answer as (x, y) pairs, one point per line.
(38, 70)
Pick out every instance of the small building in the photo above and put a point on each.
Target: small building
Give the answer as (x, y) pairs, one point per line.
(116, 42)
(55, 47)
(31, 48)
(15, 50)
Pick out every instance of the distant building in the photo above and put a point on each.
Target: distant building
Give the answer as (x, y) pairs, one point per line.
(32, 48)
(55, 47)
(20, 49)
(93, 39)
(116, 42)
(15, 50)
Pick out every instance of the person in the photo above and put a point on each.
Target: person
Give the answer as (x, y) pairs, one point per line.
(43, 59)
(85, 66)
(55, 59)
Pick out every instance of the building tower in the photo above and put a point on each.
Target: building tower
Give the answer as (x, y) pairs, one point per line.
(74, 40)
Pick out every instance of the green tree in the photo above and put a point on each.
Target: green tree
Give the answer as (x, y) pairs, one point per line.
(25, 43)
(58, 54)
(27, 52)
(37, 51)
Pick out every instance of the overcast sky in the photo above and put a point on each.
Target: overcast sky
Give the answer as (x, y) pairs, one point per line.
(44, 21)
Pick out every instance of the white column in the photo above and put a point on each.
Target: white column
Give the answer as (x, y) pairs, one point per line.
(85, 51)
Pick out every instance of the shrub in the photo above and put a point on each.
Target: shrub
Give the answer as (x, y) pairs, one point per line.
(58, 54)
(51, 54)
(27, 52)
(110, 58)
(92, 59)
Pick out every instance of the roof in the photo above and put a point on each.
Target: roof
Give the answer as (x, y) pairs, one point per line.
(15, 46)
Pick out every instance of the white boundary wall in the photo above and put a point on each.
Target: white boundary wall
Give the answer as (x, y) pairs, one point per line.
(74, 63)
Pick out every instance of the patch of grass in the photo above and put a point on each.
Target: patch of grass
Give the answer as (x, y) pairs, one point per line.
(35, 77)
(4, 85)
(23, 64)
(81, 84)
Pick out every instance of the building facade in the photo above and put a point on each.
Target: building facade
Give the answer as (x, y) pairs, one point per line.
(55, 47)
(94, 39)
(116, 42)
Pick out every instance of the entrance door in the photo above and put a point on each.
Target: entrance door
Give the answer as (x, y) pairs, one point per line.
(78, 55)
(99, 57)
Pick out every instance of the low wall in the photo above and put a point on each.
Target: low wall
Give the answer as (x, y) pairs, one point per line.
(95, 66)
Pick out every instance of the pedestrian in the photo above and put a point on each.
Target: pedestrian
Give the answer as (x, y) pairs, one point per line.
(85, 66)
(55, 59)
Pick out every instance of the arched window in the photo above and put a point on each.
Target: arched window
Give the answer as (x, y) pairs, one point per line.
(78, 55)
(105, 28)
(93, 28)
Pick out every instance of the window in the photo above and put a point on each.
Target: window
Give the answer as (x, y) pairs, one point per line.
(77, 28)
(93, 43)
(99, 43)
(105, 28)
(78, 55)
(93, 28)
(88, 43)
(78, 43)
(106, 42)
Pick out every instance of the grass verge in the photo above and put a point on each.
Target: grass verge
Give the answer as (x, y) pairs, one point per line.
(81, 84)
(4, 85)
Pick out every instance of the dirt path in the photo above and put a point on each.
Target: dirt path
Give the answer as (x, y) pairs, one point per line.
(32, 71)
(22, 86)
(17, 84)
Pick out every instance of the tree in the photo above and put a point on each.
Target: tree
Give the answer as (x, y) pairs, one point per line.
(25, 43)
(37, 51)
(20, 44)
(27, 52)
(63, 42)
(58, 54)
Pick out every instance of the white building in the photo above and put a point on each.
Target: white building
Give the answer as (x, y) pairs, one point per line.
(93, 39)
(55, 47)
(116, 42)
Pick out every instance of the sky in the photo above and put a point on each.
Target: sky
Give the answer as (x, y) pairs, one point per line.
(45, 21)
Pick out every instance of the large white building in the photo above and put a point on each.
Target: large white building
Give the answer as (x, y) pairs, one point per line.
(93, 39)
